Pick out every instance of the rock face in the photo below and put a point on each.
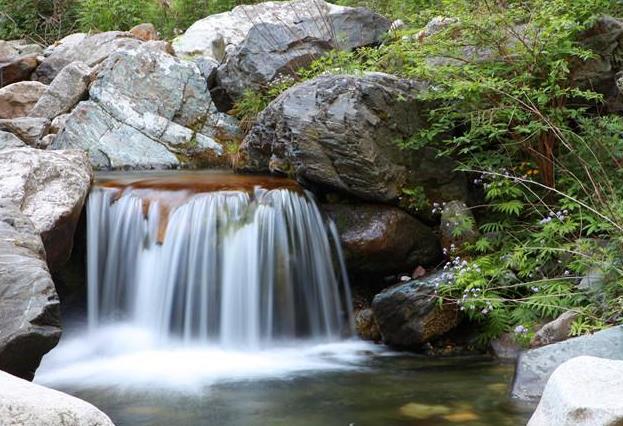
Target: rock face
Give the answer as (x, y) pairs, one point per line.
(66, 90)
(583, 391)
(147, 109)
(340, 132)
(536, 365)
(17, 69)
(382, 239)
(18, 99)
(50, 187)
(29, 306)
(90, 49)
(408, 314)
(257, 43)
(25, 403)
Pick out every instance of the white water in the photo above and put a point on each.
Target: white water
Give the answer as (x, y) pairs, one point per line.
(241, 286)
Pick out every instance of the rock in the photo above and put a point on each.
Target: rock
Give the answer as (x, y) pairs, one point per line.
(12, 49)
(147, 109)
(458, 225)
(382, 239)
(366, 326)
(28, 129)
(58, 123)
(18, 99)
(29, 306)
(409, 315)
(90, 49)
(583, 391)
(25, 403)
(536, 365)
(9, 140)
(435, 26)
(66, 90)
(340, 132)
(17, 69)
(145, 32)
(554, 331)
(45, 141)
(506, 347)
(50, 188)
(257, 43)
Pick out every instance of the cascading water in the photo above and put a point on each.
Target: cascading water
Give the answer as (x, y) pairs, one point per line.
(236, 269)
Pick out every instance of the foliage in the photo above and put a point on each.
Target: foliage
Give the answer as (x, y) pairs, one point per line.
(41, 20)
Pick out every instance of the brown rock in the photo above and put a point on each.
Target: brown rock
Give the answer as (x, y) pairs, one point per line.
(554, 331)
(366, 326)
(18, 99)
(145, 32)
(18, 69)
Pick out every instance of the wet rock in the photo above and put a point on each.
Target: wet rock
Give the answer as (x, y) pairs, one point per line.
(506, 347)
(29, 306)
(409, 315)
(25, 403)
(258, 43)
(17, 69)
(582, 391)
(536, 365)
(340, 132)
(90, 49)
(554, 331)
(50, 188)
(458, 225)
(145, 32)
(147, 109)
(9, 140)
(382, 239)
(28, 129)
(366, 326)
(66, 90)
(18, 99)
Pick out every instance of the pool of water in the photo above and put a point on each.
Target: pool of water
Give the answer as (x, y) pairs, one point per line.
(350, 384)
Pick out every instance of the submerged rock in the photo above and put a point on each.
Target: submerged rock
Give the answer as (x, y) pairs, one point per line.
(258, 43)
(382, 239)
(50, 189)
(147, 109)
(409, 314)
(29, 306)
(18, 99)
(584, 391)
(536, 365)
(340, 132)
(24, 403)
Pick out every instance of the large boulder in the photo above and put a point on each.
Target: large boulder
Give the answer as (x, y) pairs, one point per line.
(29, 306)
(409, 315)
(536, 365)
(340, 132)
(17, 69)
(90, 49)
(50, 188)
(18, 99)
(382, 239)
(257, 43)
(584, 391)
(25, 403)
(147, 109)
(68, 88)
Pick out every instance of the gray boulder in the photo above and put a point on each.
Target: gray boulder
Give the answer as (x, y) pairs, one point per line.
(11, 49)
(25, 403)
(50, 188)
(382, 239)
(18, 99)
(68, 88)
(536, 365)
(147, 109)
(584, 391)
(9, 140)
(28, 129)
(90, 49)
(258, 43)
(29, 306)
(340, 132)
(409, 315)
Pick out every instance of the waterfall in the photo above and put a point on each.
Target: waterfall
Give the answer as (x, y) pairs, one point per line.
(243, 270)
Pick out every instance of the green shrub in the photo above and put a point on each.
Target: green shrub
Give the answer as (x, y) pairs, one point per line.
(42, 21)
